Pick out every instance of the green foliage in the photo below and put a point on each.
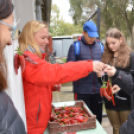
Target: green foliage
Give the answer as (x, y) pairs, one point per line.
(64, 60)
(76, 11)
(114, 13)
(59, 27)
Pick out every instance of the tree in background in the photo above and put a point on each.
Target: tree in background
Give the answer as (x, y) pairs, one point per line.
(114, 13)
(81, 10)
(121, 15)
(58, 27)
(54, 20)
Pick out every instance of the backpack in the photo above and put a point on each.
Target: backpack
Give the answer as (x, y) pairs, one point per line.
(77, 48)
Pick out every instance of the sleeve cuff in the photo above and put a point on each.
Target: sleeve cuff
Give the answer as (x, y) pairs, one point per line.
(115, 75)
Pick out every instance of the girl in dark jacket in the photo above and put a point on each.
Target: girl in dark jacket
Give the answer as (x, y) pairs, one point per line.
(121, 58)
(10, 121)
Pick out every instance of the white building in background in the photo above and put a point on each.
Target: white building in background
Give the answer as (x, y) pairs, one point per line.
(25, 10)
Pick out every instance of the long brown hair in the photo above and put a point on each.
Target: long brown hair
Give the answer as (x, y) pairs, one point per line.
(123, 59)
(6, 9)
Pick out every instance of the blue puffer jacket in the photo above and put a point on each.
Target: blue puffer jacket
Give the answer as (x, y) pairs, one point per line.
(10, 121)
(89, 84)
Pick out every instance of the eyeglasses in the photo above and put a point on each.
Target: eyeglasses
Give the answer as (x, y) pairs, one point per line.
(14, 28)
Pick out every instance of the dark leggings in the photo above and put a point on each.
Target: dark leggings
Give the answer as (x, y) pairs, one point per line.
(94, 103)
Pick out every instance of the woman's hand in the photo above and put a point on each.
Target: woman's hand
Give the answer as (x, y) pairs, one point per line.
(99, 74)
(98, 66)
(110, 70)
(115, 89)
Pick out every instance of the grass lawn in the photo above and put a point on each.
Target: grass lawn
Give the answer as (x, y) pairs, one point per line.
(64, 59)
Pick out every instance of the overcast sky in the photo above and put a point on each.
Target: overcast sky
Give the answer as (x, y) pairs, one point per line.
(64, 7)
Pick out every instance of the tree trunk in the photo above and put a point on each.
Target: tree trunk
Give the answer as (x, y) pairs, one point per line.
(132, 44)
(130, 30)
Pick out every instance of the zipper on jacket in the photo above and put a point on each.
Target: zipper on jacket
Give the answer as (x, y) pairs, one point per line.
(93, 73)
(38, 113)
